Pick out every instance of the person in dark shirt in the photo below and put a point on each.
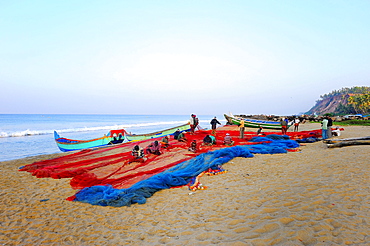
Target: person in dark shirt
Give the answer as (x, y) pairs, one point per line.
(207, 141)
(330, 124)
(181, 137)
(214, 123)
(176, 134)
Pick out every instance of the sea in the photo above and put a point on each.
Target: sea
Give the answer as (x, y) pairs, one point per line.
(26, 135)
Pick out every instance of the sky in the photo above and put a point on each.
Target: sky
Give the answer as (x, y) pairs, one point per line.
(179, 57)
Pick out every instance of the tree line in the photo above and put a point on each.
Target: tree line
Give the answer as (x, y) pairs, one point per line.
(345, 91)
(357, 100)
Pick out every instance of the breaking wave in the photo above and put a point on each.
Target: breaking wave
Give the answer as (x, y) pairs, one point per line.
(28, 132)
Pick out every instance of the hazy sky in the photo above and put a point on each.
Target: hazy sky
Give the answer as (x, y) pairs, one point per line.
(179, 57)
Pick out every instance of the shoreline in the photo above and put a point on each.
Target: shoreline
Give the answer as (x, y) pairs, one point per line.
(30, 159)
(317, 196)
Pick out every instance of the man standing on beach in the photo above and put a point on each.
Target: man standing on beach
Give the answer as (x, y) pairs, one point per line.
(330, 124)
(284, 126)
(296, 122)
(214, 123)
(324, 128)
(192, 123)
(241, 128)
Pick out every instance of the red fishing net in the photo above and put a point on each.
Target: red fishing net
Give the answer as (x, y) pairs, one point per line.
(110, 165)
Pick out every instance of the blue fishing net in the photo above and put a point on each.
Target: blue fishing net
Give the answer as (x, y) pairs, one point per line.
(308, 140)
(178, 175)
(278, 137)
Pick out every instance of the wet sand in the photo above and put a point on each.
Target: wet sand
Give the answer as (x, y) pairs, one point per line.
(317, 196)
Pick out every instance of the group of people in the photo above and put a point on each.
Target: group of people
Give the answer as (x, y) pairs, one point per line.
(138, 153)
(242, 126)
(210, 140)
(285, 122)
(155, 148)
(326, 131)
(284, 126)
(326, 126)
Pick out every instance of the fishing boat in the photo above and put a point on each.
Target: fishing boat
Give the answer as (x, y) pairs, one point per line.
(113, 137)
(254, 123)
(170, 131)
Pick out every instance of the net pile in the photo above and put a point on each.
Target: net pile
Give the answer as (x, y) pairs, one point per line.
(106, 177)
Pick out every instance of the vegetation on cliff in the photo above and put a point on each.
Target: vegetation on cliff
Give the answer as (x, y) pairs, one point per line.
(354, 100)
(352, 123)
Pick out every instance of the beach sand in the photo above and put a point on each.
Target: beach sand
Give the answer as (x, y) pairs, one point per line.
(317, 196)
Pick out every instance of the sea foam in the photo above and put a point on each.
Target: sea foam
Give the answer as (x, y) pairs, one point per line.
(29, 132)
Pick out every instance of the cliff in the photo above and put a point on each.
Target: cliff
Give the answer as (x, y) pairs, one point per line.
(328, 105)
(355, 100)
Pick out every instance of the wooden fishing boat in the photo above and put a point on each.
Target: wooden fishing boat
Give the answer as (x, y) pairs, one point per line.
(253, 123)
(113, 137)
(338, 143)
(170, 131)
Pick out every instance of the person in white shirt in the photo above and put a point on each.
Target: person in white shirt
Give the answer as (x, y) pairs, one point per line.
(296, 122)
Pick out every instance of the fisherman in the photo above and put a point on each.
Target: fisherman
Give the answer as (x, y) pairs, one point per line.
(197, 123)
(241, 128)
(181, 137)
(259, 131)
(284, 126)
(138, 154)
(209, 140)
(114, 141)
(330, 124)
(164, 142)
(296, 122)
(193, 123)
(176, 134)
(336, 131)
(154, 148)
(228, 140)
(214, 123)
(193, 146)
(324, 128)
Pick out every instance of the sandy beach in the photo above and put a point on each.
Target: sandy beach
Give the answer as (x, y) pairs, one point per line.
(316, 196)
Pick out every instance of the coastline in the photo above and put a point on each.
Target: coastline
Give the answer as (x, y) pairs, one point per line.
(317, 196)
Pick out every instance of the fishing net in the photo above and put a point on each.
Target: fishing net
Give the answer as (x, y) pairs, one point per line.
(179, 175)
(107, 177)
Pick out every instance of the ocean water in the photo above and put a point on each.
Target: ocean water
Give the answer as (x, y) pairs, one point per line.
(24, 135)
